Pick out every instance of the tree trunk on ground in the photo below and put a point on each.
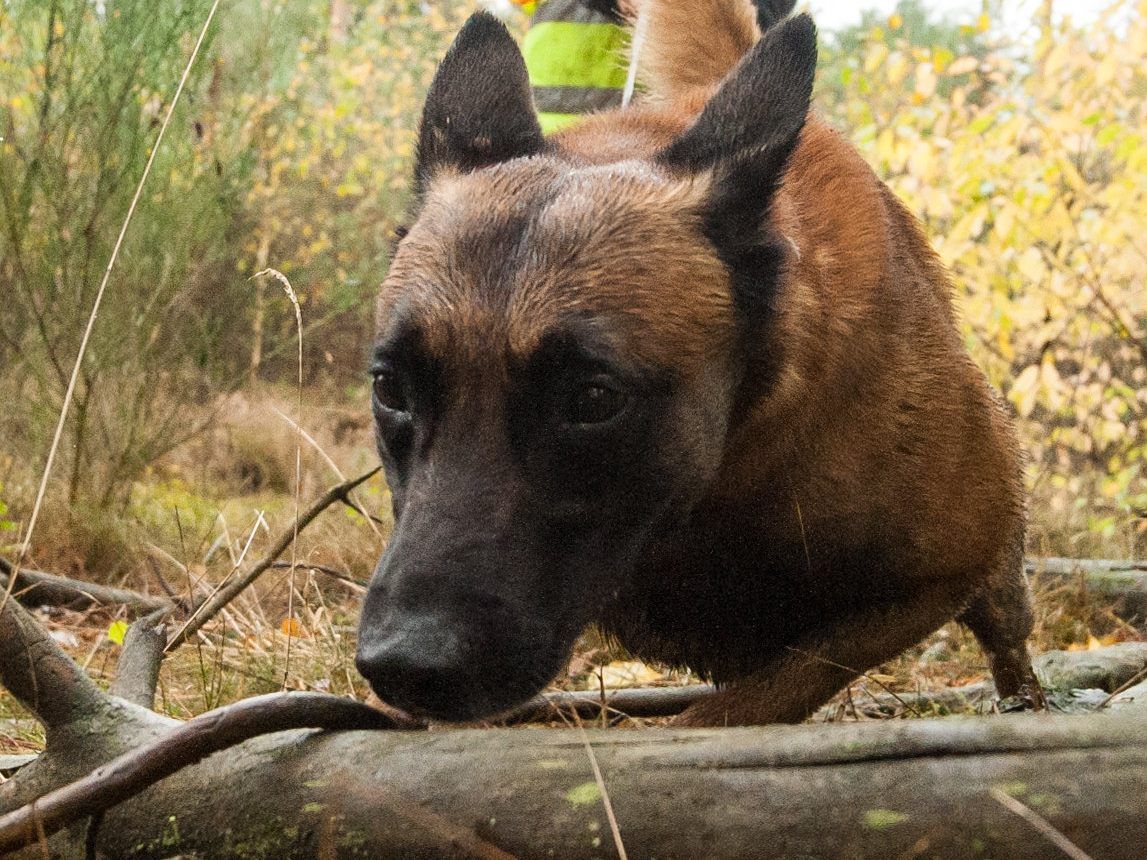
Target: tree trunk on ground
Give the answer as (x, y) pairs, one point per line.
(1123, 583)
(1003, 786)
(904, 788)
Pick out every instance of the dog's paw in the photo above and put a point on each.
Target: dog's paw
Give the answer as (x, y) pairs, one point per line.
(1031, 697)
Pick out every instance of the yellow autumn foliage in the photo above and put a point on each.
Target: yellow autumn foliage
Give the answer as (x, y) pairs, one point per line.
(334, 148)
(1025, 155)
(1030, 173)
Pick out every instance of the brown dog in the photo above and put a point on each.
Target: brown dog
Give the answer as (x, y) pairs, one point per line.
(688, 371)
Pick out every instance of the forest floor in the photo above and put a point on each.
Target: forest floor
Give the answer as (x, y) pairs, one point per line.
(208, 511)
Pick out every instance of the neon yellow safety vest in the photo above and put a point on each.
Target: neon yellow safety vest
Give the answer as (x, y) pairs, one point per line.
(576, 58)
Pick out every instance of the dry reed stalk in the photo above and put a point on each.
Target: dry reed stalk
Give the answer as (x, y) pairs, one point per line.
(69, 393)
(361, 509)
(294, 299)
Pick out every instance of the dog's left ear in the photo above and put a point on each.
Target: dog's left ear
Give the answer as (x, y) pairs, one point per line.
(771, 12)
(744, 138)
(479, 110)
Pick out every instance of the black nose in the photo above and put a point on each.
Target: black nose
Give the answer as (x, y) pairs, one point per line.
(421, 667)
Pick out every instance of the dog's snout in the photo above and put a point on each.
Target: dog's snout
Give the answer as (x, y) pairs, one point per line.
(420, 667)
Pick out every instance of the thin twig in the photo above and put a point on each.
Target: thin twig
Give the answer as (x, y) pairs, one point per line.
(156, 549)
(363, 513)
(153, 566)
(210, 607)
(129, 774)
(333, 573)
(1039, 823)
(864, 675)
(1123, 688)
(350, 502)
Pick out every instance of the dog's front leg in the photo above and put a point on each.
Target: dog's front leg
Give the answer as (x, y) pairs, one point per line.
(812, 670)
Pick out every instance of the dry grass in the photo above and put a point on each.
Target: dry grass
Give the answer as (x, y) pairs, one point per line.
(184, 530)
(240, 654)
(189, 521)
(196, 501)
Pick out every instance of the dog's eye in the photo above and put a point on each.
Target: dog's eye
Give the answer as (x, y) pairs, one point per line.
(388, 391)
(596, 401)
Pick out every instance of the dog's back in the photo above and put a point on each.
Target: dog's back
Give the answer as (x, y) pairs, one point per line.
(880, 464)
(845, 479)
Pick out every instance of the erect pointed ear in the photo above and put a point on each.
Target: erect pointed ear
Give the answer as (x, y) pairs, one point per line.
(756, 116)
(744, 137)
(479, 110)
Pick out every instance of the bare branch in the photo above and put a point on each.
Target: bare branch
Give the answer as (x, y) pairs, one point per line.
(185, 745)
(137, 673)
(333, 573)
(632, 702)
(39, 674)
(210, 607)
(37, 588)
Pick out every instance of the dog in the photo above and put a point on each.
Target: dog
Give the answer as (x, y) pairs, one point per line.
(688, 371)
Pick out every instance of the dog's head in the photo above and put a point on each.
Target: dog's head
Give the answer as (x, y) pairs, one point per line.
(561, 349)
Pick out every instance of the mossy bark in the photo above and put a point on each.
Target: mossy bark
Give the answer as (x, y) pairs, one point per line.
(1121, 583)
(845, 790)
(878, 789)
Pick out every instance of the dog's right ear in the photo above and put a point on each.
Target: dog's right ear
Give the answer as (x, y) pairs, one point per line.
(479, 110)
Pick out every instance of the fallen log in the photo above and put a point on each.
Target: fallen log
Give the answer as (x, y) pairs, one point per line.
(913, 787)
(850, 790)
(1122, 583)
(1103, 669)
(876, 789)
(37, 588)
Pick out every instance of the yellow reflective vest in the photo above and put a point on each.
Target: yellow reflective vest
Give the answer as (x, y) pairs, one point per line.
(576, 58)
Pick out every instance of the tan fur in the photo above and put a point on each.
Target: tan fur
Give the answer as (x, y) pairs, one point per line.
(693, 44)
(605, 263)
(866, 319)
(878, 430)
